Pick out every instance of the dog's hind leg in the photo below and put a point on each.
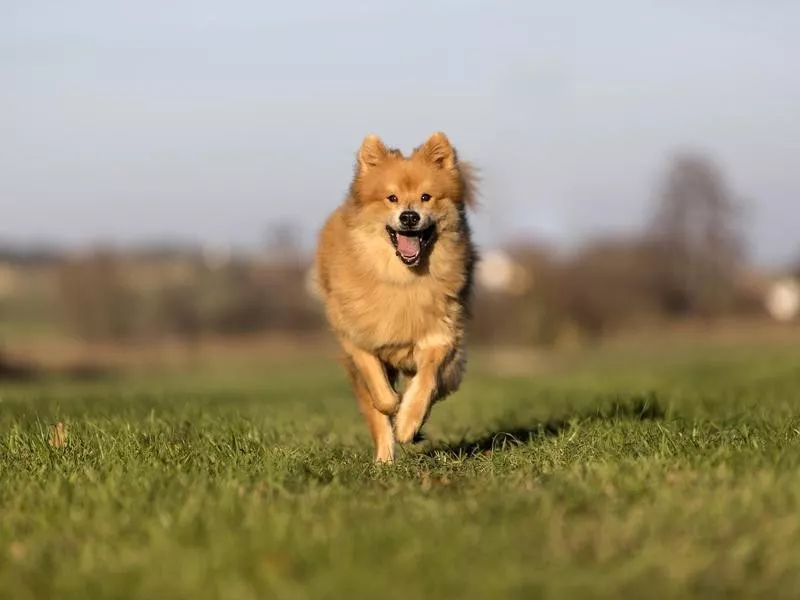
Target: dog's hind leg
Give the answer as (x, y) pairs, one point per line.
(380, 427)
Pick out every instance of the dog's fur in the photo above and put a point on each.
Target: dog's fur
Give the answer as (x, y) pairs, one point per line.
(399, 303)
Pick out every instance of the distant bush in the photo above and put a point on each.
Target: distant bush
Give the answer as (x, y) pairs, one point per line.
(107, 296)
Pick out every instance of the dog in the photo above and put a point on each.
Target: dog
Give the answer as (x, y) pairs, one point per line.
(394, 266)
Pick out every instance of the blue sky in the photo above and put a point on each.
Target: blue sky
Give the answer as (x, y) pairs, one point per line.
(211, 121)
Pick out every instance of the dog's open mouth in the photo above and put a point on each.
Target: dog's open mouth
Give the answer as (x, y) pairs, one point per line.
(410, 246)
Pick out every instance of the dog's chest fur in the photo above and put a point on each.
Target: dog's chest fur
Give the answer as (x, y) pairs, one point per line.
(381, 306)
(390, 315)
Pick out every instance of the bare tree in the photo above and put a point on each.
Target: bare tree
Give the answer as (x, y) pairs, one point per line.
(695, 232)
(282, 243)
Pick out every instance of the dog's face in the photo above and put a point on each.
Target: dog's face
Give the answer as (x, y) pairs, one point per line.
(409, 200)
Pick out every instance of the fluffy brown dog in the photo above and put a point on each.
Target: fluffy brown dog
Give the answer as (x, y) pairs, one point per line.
(395, 266)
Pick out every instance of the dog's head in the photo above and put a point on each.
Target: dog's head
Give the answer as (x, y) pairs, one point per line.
(411, 200)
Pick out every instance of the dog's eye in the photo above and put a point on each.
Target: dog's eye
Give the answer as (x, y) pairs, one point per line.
(392, 198)
(425, 197)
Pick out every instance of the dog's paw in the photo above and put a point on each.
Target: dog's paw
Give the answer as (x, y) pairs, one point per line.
(405, 429)
(384, 458)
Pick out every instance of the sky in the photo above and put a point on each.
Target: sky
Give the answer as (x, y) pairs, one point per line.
(215, 122)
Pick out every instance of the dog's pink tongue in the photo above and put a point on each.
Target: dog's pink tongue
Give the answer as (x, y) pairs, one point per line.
(407, 245)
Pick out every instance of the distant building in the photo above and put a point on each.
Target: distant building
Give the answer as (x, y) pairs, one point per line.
(498, 272)
(216, 257)
(783, 299)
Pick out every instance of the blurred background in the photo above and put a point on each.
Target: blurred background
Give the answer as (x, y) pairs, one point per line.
(165, 166)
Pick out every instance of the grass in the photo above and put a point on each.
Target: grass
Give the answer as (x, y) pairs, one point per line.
(618, 476)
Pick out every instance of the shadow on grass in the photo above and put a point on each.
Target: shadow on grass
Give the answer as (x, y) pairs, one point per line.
(636, 408)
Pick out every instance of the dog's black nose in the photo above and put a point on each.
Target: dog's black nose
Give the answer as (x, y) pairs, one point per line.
(409, 218)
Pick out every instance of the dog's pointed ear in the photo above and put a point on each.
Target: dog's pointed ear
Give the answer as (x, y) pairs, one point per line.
(438, 150)
(372, 153)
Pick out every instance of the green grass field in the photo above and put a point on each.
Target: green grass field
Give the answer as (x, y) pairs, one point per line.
(616, 475)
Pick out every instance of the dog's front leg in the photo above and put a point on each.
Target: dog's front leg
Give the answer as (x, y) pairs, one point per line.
(380, 427)
(374, 377)
(438, 373)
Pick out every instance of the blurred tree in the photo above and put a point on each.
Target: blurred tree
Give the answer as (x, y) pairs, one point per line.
(694, 230)
(97, 301)
(282, 242)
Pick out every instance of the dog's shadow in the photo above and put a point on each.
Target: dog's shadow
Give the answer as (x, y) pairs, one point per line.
(638, 408)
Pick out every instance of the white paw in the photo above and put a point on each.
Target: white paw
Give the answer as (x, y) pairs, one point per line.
(385, 454)
(405, 428)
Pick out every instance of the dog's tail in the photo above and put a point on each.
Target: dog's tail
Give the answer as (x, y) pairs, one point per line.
(469, 183)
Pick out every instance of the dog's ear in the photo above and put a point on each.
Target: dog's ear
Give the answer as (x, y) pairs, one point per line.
(372, 153)
(438, 150)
